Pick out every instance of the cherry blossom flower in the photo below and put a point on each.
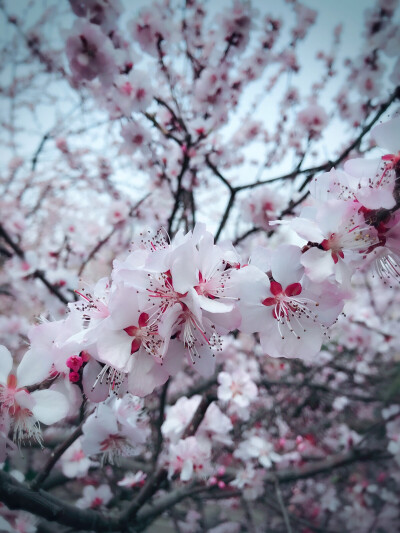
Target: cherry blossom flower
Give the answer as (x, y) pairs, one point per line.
(376, 177)
(287, 310)
(114, 436)
(136, 137)
(250, 481)
(215, 425)
(90, 54)
(131, 480)
(313, 119)
(28, 409)
(94, 498)
(342, 237)
(101, 12)
(259, 448)
(132, 92)
(189, 457)
(179, 416)
(74, 463)
(262, 206)
(239, 390)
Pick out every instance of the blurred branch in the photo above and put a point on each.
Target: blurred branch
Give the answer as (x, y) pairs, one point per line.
(55, 456)
(39, 274)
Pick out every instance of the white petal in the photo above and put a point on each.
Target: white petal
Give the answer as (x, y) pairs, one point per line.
(34, 368)
(146, 374)
(114, 348)
(24, 399)
(377, 198)
(183, 270)
(6, 362)
(50, 407)
(187, 470)
(204, 364)
(174, 357)
(387, 135)
(214, 306)
(290, 346)
(5, 526)
(307, 229)
(123, 307)
(319, 264)
(100, 392)
(361, 168)
(285, 264)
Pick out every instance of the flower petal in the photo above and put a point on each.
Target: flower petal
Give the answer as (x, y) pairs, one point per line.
(34, 368)
(50, 406)
(6, 362)
(387, 135)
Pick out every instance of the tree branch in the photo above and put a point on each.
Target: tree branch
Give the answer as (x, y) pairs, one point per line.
(39, 274)
(55, 456)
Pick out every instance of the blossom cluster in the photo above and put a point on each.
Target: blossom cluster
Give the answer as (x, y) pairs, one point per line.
(209, 361)
(167, 303)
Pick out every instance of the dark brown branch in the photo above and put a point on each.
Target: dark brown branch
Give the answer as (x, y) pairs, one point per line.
(198, 416)
(245, 235)
(323, 388)
(178, 193)
(225, 216)
(96, 248)
(282, 507)
(219, 175)
(102, 242)
(39, 274)
(154, 481)
(40, 147)
(160, 420)
(55, 456)
(17, 496)
(198, 388)
(166, 133)
(327, 465)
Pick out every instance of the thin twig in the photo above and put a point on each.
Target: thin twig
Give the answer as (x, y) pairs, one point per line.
(160, 420)
(39, 274)
(55, 456)
(282, 507)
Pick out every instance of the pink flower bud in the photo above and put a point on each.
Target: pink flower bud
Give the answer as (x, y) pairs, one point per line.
(74, 363)
(74, 377)
(85, 356)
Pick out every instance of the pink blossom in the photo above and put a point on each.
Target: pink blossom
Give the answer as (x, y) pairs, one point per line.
(24, 408)
(189, 457)
(132, 92)
(133, 480)
(94, 498)
(90, 54)
(74, 463)
(239, 390)
(313, 119)
(287, 309)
